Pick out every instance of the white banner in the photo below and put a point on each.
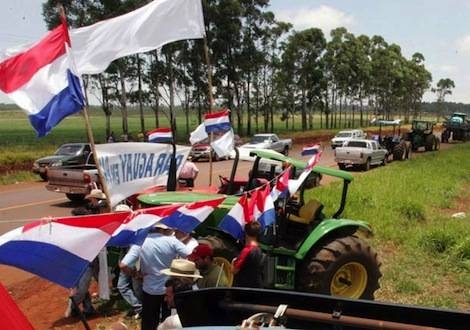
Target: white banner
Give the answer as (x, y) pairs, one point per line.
(131, 167)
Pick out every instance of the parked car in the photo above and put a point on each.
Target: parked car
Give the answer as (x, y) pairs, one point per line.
(70, 153)
(363, 153)
(343, 136)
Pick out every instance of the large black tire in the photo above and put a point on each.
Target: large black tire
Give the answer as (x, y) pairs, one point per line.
(345, 267)
(286, 151)
(43, 176)
(75, 197)
(366, 165)
(429, 142)
(399, 150)
(342, 166)
(445, 136)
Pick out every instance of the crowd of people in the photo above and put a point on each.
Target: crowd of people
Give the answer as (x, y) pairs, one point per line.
(169, 261)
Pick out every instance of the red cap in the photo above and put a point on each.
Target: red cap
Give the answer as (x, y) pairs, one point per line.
(201, 251)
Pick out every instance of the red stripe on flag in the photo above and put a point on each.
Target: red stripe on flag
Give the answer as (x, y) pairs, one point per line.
(216, 114)
(19, 69)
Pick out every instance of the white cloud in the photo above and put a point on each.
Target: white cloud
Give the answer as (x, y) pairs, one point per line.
(324, 17)
(463, 44)
(446, 68)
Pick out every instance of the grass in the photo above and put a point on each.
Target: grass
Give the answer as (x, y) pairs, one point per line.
(425, 252)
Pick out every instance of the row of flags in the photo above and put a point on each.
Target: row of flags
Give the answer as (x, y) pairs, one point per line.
(44, 78)
(60, 249)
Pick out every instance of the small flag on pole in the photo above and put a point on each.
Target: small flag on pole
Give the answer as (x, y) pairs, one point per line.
(217, 121)
(310, 149)
(160, 135)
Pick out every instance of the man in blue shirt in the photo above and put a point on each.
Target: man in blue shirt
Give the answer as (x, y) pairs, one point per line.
(158, 250)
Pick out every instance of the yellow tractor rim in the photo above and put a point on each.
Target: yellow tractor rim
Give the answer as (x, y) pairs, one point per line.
(350, 280)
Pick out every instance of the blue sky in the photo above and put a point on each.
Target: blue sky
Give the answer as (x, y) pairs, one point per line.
(440, 30)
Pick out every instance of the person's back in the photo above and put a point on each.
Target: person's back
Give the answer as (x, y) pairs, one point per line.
(250, 275)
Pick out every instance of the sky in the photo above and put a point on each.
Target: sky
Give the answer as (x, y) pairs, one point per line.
(440, 30)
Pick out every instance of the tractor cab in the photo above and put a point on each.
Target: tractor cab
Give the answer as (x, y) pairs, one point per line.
(393, 142)
(421, 135)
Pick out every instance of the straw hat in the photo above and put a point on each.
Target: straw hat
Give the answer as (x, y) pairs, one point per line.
(96, 193)
(182, 268)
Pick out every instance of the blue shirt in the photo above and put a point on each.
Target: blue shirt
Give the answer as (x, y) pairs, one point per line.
(156, 254)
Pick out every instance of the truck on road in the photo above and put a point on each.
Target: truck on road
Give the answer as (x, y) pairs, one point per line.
(362, 153)
(75, 181)
(269, 141)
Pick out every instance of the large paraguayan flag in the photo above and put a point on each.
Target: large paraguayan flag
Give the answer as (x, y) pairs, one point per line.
(217, 121)
(39, 79)
(60, 249)
(188, 217)
(160, 135)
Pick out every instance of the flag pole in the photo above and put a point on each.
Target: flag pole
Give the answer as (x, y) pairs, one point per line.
(91, 140)
(211, 102)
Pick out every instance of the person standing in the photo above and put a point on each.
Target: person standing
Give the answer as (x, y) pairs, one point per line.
(158, 250)
(212, 274)
(182, 274)
(188, 173)
(248, 266)
(130, 287)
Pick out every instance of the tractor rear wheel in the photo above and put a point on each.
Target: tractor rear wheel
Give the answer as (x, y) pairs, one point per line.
(429, 142)
(346, 267)
(398, 151)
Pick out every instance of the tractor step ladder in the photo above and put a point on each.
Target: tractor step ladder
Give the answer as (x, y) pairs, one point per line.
(284, 275)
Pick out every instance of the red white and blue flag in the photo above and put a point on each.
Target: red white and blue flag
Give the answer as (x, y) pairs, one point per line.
(160, 135)
(188, 217)
(264, 211)
(217, 121)
(281, 188)
(137, 225)
(39, 79)
(60, 249)
(310, 149)
(294, 185)
(235, 220)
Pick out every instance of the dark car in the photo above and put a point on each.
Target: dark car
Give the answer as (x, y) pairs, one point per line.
(69, 153)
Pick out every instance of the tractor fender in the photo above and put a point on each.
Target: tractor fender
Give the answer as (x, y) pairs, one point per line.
(329, 227)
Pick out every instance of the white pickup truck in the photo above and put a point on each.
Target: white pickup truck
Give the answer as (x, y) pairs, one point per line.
(360, 152)
(269, 141)
(343, 136)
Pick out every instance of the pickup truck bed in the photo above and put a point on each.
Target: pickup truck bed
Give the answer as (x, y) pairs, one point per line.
(363, 153)
(75, 181)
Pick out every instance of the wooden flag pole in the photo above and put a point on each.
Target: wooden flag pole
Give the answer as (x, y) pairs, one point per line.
(211, 103)
(91, 140)
(95, 156)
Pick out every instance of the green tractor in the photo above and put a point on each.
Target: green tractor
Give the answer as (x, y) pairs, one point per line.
(456, 127)
(306, 250)
(421, 135)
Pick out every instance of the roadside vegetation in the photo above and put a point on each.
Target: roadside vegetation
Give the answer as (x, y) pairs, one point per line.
(425, 252)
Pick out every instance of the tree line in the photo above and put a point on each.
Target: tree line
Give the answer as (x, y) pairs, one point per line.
(261, 68)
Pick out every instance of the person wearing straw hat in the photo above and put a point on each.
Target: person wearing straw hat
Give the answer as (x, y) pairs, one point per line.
(96, 203)
(157, 252)
(213, 274)
(183, 274)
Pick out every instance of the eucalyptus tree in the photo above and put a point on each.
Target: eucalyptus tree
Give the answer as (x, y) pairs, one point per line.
(443, 88)
(302, 62)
